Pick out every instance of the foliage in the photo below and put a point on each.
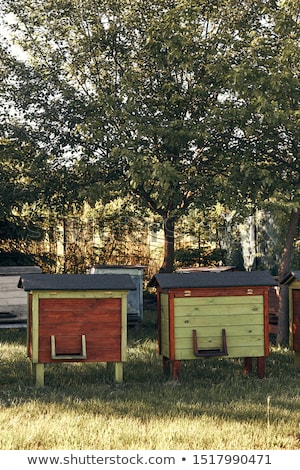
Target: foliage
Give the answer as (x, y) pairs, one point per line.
(178, 103)
(199, 257)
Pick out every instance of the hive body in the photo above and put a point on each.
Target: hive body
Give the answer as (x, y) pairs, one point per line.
(205, 316)
(77, 321)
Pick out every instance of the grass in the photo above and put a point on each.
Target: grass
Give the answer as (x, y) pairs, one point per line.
(214, 407)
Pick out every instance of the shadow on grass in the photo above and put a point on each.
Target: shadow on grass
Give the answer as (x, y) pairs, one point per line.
(13, 336)
(213, 387)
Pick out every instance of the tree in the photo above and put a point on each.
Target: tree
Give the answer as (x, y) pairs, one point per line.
(268, 124)
(181, 104)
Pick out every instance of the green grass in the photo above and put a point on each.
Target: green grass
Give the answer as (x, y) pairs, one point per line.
(214, 407)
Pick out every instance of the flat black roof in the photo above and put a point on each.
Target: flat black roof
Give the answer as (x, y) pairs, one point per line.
(213, 279)
(31, 282)
(290, 277)
(18, 270)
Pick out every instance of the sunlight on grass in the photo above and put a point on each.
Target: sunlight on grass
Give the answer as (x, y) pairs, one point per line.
(213, 407)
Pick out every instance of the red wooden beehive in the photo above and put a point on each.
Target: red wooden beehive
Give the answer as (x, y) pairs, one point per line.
(292, 280)
(76, 318)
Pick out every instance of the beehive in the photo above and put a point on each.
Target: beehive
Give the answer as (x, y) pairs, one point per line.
(13, 301)
(134, 298)
(76, 318)
(209, 314)
(292, 280)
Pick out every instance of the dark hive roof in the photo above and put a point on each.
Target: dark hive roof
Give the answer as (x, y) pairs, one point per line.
(31, 282)
(18, 270)
(212, 279)
(290, 277)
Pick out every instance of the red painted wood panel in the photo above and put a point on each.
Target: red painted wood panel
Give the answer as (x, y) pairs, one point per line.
(92, 310)
(68, 319)
(219, 291)
(296, 320)
(107, 350)
(76, 329)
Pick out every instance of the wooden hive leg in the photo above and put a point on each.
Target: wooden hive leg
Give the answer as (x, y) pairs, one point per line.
(297, 359)
(247, 365)
(176, 370)
(119, 372)
(38, 371)
(261, 367)
(166, 365)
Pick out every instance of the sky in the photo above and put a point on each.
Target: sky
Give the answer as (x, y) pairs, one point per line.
(5, 35)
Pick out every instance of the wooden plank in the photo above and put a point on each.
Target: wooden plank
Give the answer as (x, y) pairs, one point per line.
(73, 311)
(220, 292)
(79, 305)
(80, 319)
(218, 321)
(118, 372)
(71, 329)
(165, 349)
(216, 341)
(123, 346)
(80, 294)
(266, 329)
(164, 325)
(223, 300)
(29, 326)
(165, 331)
(210, 330)
(171, 315)
(235, 352)
(164, 300)
(158, 321)
(35, 329)
(93, 356)
(214, 310)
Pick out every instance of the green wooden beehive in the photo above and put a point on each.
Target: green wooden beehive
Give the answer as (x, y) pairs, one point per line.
(213, 315)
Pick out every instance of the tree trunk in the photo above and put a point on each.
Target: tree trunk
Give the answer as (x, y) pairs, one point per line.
(169, 228)
(284, 268)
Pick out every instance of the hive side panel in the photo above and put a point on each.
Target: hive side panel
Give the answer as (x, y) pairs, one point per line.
(164, 321)
(242, 317)
(99, 320)
(29, 325)
(296, 320)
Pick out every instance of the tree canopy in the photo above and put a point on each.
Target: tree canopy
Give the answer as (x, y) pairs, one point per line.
(179, 103)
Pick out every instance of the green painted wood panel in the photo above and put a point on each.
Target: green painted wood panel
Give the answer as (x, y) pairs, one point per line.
(220, 300)
(211, 310)
(164, 321)
(81, 294)
(236, 352)
(241, 316)
(218, 320)
(211, 330)
(214, 341)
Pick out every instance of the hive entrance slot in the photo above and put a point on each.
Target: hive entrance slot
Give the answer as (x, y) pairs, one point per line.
(210, 352)
(81, 355)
